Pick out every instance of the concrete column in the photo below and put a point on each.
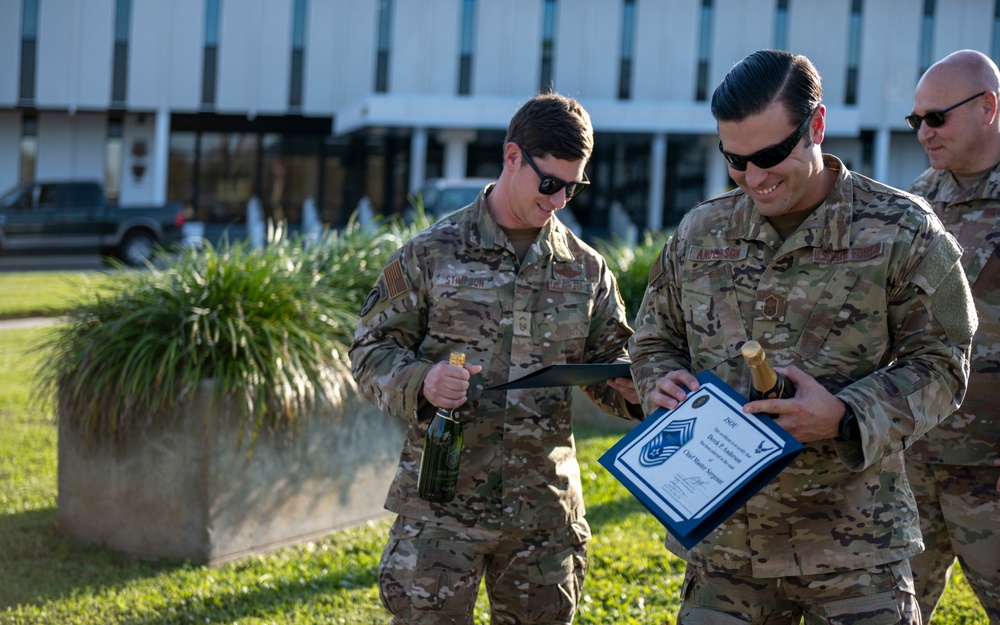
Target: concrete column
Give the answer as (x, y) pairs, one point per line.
(881, 156)
(456, 143)
(161, 155)
(657, 181)
(418, 159)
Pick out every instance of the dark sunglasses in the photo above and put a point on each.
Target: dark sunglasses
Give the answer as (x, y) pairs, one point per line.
(768, 157)
(548, 185)
(936, 119)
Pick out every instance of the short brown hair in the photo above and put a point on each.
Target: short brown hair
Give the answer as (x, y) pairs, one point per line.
(554, 124)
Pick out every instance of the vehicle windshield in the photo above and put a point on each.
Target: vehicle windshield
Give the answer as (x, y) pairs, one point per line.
(11, 197)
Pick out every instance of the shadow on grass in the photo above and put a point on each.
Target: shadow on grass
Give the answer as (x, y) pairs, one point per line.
(39, 564)
(613, 512)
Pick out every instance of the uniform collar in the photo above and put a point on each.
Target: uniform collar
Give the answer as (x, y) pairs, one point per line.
(942, 186)
(828, 227)
(485, 232)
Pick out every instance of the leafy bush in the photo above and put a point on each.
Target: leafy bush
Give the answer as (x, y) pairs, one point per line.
(268, 326)
(631, 264)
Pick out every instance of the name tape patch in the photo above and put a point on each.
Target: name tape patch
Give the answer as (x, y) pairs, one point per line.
(729, 252)
(461, 281)
(842, 256)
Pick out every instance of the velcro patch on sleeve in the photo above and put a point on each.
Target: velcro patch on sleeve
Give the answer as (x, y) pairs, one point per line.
(394, 280)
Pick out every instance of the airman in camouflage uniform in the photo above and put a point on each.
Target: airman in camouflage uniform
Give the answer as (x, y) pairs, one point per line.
(856, 292)
(951, 469)
(513, 289)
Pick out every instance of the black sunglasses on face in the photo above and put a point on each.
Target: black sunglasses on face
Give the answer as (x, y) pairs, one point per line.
(548, 185)
(768, 157)
(936, 119)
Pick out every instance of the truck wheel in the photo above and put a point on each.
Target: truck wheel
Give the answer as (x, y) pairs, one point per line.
(137, 248)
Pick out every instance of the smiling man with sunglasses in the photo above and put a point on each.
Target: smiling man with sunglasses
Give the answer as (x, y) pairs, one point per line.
(855, 291)
(951, 469)
(506, 283)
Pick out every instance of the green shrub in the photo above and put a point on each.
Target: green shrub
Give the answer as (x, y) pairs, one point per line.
(631, 265)
(269, 327)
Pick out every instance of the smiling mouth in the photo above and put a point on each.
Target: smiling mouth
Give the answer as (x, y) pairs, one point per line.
(766, 190)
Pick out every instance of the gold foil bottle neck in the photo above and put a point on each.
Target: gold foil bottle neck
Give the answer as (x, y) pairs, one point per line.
(763, 375)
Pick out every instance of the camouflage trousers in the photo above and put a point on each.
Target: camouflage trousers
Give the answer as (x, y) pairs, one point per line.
(430, 573)
(878, 595)
(959, 516)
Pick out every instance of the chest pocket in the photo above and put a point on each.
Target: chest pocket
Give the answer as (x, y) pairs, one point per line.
(561, 331)
(712, 311)
(470, 315)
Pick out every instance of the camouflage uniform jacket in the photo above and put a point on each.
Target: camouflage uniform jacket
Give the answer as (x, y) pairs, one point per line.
(972, 435)
(866, 296)
(458, 286)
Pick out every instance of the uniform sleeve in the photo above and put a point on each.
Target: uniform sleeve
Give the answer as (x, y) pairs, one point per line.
(932, 320)
(391, 327)
(659, 344)
(607, 342)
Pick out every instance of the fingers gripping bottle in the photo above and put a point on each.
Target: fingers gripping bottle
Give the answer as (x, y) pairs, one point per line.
(766, 383)
(442, 452)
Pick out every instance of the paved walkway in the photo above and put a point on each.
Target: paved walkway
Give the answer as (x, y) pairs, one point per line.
(29, 322)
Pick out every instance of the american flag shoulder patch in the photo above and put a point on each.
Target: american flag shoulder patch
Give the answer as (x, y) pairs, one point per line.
(394, 281)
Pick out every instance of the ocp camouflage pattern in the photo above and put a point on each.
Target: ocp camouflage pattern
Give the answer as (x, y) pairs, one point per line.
(869, 298)
(971, 436)
(467, 292)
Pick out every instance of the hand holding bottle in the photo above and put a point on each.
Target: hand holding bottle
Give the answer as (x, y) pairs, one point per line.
(446, 385)
(442, 453)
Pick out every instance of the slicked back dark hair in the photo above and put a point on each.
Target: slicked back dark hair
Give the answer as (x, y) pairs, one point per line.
(764, 77)
(554, 124)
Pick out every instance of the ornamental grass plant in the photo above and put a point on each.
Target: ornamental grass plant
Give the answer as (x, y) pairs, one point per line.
(267, 328)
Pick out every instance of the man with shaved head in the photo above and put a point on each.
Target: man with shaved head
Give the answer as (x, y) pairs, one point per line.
(951, 469)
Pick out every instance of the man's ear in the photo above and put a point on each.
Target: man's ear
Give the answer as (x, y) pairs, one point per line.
(817, 126)
(990, 106)
(511, 155)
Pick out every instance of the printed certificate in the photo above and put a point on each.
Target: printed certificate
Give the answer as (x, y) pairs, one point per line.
(695, 465)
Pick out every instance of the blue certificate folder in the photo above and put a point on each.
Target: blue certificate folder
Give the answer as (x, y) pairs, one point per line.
(692, 467)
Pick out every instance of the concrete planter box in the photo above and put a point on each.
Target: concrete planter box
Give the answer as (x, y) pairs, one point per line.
(180, 488)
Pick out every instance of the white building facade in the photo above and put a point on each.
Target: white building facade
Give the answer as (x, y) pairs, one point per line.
(213, 102)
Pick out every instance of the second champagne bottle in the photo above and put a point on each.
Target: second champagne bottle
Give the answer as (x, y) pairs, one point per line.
(438, 478)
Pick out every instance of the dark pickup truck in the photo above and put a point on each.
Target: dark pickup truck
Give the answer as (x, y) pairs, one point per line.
(63, 217)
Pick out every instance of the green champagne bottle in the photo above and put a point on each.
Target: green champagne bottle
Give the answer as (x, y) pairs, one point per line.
(442, 452)
(766, 383)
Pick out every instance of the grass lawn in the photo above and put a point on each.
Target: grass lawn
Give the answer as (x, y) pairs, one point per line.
(46, 579)
(46, 293)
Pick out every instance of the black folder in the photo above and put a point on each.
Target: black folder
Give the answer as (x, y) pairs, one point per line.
(568, 375)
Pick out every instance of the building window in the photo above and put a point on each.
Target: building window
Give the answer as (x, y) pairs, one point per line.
(114, 149)
(546, 81)
(853, 53)
(704, 51)
(781, 26)
(298, 55)
(210, 57)
(382, 60)
(467, 45)
(29, 147)
(29, 46)
(927, 37)
(628, 47)
(119, 71)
